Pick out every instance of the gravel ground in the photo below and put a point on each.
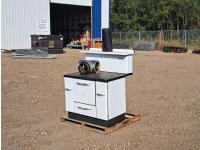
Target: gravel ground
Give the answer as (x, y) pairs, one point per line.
(165, 90)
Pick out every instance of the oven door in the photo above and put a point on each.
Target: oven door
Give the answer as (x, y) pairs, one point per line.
(84, 91)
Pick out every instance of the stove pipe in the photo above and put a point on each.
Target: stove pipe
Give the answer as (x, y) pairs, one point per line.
(106, 40)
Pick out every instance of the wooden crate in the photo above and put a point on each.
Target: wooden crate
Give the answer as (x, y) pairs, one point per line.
(129, 119)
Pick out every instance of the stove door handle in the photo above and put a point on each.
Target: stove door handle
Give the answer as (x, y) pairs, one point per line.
(82, 84)
(68, 89)
(83, 108)
(100, 94)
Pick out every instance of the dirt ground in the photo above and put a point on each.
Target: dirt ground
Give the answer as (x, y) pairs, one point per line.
(165, 90)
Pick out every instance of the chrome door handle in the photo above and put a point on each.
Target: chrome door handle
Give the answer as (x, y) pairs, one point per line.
(83, 108)
(82, 84)
(100, 94)
(68, 89)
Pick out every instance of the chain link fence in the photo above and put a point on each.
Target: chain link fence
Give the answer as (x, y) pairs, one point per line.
(158, 39)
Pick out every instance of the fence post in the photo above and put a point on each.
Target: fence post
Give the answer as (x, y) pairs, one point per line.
(170, 34)
(185, 37)
(139, 36)
(120, 37)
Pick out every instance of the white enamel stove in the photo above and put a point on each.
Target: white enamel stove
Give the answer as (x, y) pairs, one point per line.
(100, 98)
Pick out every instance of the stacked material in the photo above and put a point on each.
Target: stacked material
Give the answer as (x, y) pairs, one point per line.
(146, 46)
(32, 53)
(53, 43)
(120, 46)
(197, 51)
(175, 49)
(38, 52)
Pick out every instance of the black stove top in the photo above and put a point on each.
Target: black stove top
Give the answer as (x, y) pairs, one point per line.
(101, 77)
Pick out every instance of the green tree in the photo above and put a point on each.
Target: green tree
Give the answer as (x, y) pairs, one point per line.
(132, 15)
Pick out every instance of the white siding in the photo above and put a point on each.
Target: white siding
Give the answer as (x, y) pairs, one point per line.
(73, 2)
(105, 13)
(19, 21)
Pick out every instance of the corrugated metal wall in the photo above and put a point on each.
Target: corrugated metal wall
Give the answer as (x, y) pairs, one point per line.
(19, 21)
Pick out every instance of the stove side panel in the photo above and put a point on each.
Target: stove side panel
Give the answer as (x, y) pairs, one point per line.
(116, 98)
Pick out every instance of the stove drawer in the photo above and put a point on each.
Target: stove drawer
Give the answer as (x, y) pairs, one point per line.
(86, 110)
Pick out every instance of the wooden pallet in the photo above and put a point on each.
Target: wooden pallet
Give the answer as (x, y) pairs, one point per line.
(129, 119)
(49, 56)
(75, 46)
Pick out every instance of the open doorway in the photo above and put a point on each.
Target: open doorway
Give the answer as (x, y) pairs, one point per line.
(71, 21)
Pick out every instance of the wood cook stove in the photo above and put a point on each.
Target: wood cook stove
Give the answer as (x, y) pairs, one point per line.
(100, 98)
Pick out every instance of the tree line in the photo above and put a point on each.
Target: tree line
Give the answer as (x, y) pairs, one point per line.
(152, 15)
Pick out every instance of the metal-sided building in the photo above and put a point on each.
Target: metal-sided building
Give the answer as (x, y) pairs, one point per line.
(23, 18)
